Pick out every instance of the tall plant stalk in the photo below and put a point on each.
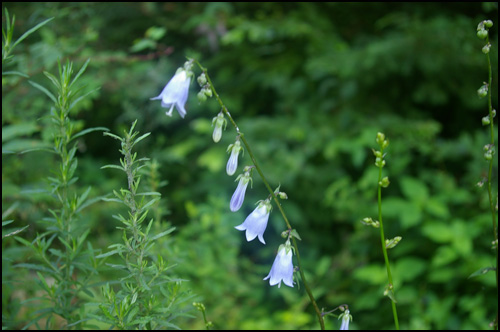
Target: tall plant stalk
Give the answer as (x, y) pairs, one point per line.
(271, 193)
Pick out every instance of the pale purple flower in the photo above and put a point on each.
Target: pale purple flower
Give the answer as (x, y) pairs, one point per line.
(239, 193)
(256, 222)
(232, 163)
(282, 269)
(346, 318)
(176, 92)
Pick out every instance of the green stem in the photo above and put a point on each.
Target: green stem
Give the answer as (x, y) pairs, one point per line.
(384, 249)
(490, 171)
(271, 192)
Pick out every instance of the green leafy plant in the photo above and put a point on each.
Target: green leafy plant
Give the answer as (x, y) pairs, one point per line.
(148, 297)
(66, 261)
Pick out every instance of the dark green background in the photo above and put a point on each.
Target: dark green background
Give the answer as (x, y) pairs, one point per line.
(310, 85)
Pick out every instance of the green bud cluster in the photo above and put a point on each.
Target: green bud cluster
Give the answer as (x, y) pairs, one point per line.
(486, 120)
(389, 244)
(482, 28)
(379, 155)
(206, 90)
(489, 151)
(371, 222)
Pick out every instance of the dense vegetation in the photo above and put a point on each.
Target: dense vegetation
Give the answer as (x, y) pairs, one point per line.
(310, 85)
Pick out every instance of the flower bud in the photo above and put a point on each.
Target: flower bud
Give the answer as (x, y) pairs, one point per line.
(380, 138)
(188, 65)
(207, 91)
(282, 195)
(201, 96)
(202, 79)
(371, 222)
(232, 163)
(482, 34)
(384, 183)
(389, 244)
(239, 194)
(377, 154)
(218, 121)
(482, 91)
(346, 318)
(486, 120)
(488, 23)
(217, 134)
(486, 48)
(379, 162)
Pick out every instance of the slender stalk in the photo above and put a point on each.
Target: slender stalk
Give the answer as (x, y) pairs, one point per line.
(490, 171)
(271, 192)
(384, 249)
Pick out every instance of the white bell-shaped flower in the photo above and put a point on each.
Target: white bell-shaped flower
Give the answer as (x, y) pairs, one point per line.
(282, 269)
(256, 222)
(176, 92)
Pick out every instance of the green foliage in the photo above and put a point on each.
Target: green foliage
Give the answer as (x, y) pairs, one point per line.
(311, 84)
(148, 297)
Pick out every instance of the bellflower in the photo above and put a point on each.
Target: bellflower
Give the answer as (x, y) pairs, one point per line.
(282, 269)
(176, 92)
(239, 193)
(256, 222)
(232, 163)
(346, 318)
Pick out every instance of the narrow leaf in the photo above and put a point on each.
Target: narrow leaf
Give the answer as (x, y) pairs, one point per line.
(44, 90)
(89, 130)
(30, 31)
(481, 272)
(162, 234)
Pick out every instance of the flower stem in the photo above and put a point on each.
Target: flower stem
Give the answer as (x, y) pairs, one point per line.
(490, 171)
(259, 170)
(384, 249)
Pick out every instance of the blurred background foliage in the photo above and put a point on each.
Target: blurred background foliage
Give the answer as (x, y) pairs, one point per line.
(310, 85)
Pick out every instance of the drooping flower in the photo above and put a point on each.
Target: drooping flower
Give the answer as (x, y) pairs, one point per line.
(346, 318)
(176, 91)
(239, 193)
(218, 121)
(232, 163)
(282, 269)
(256, 222)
